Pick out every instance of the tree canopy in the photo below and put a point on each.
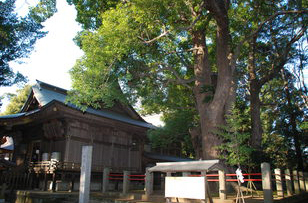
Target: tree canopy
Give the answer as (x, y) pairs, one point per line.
(19, 34)
(17, 100)
(192, 56)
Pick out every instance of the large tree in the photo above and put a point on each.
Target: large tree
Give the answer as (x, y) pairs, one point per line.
(270, 50)
(154, 49)
(19, 34)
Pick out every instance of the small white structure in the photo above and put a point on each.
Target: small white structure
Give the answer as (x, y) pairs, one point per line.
(187, 187)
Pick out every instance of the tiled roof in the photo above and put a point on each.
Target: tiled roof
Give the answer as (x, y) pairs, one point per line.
(46, 95)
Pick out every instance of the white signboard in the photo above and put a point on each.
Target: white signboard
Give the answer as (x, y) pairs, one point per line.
(185, 187)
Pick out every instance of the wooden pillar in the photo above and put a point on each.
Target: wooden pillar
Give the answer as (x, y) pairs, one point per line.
(148, 182)
(266, 182)
(126, 182)
(278, 178)
(301, 181)
(45, 182)
(162, 181)
(31, 180)
(85, 174)
(186, 174)
(207, 193)
(72, 183)
(306, 181)
(296, 182)
(222, 185)
(105, 180)
(53, 186)
(288, 182)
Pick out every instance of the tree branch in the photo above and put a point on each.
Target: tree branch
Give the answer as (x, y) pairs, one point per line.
(234, 56)
(166, 32)
(282, 58)
(272, 17)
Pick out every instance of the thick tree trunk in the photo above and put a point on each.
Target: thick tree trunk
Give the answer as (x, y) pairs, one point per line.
(212, 113)
(254, 88)
(256, 124)
(195, 134)
(202, 72)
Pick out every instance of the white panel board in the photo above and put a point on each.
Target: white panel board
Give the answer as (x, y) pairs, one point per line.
(185, 187)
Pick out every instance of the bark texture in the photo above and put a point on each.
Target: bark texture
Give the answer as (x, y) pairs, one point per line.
(212, 112)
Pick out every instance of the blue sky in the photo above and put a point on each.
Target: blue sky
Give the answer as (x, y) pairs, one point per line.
(55, 54)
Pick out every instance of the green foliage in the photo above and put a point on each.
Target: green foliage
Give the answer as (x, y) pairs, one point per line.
(114, 54)
(121, 57)
(175, 132)
(89, 12)
(18, 36)
(17, 100)
(43, 10)
(235, 148)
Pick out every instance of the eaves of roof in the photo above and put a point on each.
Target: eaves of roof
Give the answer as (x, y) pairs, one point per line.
(46, 96)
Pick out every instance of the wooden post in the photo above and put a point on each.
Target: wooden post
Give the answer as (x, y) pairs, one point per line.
(206, 187)
(72, 183)
(278, 178)
(222, 185)
(296, 182)
(105, 180)
(53, 186)
(45, 181)
(306, 181)
(162, 181)
(266, 182)
(85, 174)
(126, 182)
(288, 182)
(148, 182)
(186, 174)
(301, 181)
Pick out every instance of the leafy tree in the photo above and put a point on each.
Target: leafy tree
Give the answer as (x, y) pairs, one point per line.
(19, 34)
(269, 53)
(17, 100)
(152, 50)
(175, 132)
(235, 148)
(283, 115)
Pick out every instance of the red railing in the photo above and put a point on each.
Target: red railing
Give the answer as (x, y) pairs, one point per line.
(231, 175)
(136, 177)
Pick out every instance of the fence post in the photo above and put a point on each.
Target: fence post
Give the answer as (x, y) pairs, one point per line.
(306, 181)
(148, 182)
(105, 180)
(186, 174)
(266, 182)
(85, 174)
(296, 182)
(222, 185)
(301, 181)
(278, 178)
(126, 181)
(288, 182)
